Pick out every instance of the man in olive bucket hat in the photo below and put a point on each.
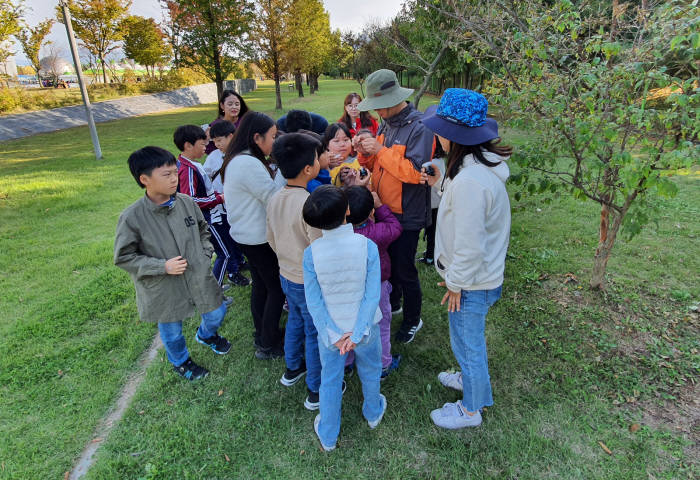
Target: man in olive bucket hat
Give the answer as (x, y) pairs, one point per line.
(395, 157)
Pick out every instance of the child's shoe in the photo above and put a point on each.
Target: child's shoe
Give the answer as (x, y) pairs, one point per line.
(396, 311)
(217, 343)
(451, 380)
(190, 370)
(394, 365)
(228, 301)
(291, 377)
(269, 353)
(374, 423)
(453, 417)
(312, 401)
(325, 448)
(407, 335)
(238, 279)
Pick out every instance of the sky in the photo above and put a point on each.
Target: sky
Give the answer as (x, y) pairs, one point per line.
(344, 14)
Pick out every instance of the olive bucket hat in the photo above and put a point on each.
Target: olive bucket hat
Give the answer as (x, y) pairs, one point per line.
(461, 117)
(383, 91)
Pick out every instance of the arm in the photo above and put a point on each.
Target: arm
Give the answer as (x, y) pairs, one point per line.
(270, 234)
(188, 186)
(405, 164)
(389, 228)
(128, 256)
(259, 183)
(470, 231)
(314, 300)
(373, 287)
(204, 233)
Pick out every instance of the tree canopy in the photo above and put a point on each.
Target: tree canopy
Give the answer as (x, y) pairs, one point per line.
(32, 39)
(144, 42)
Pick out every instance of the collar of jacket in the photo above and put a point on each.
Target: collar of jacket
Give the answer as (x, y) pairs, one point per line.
(404, 117)
(154, 207)
(341, 231)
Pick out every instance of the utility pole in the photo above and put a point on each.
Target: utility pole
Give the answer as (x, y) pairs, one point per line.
(81, 82)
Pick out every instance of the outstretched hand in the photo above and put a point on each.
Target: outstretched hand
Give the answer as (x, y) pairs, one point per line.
(452, 298)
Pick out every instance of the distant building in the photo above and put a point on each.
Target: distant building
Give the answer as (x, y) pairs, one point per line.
(54, 64)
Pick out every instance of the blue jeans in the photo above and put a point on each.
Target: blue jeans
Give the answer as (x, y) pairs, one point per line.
(300, 336)
(469, 346)
(174, 341)
(368, 361)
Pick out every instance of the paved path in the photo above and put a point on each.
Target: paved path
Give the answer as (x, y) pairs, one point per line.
(26, 124)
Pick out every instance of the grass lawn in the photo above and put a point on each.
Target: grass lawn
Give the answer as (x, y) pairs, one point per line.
(570, 368)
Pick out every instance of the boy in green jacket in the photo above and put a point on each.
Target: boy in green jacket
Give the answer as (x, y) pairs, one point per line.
(162, 240)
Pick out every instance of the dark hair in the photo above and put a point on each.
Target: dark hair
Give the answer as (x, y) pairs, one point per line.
(227, 93)
(222, 128)
(294, 151)
(365, 117)
(332, 130)
(297, 120)
(147, 159)
(360, 202)
(457, 152)
(253, 123)
(326, 207)
(320, 148)
(188, 133)
(437, 153)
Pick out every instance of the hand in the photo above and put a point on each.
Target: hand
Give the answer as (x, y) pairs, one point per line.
(370, 146)
(349, 346)
(429, 179)
(335, 160)
(341, 343)
(357, 140)
(348, 176)
(453, 299)
(377, 202)
(222, 197)
(175, 266)
(362, 181)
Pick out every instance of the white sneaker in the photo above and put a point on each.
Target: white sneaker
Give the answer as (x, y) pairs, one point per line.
(453, 417)
(317, 420)
(374, 423)
(451, 380)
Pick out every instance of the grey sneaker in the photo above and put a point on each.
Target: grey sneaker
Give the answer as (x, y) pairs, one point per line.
(451, 380)
(373, 424)
(325, 448)
(453, 417)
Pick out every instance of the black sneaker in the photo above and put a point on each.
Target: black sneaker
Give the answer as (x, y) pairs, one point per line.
(269, 353)
(217, 343)
(291, 377)
(190, 370)
(425, 260)
(243, 266)
(238, 279)
(407, 336)
(312, 401)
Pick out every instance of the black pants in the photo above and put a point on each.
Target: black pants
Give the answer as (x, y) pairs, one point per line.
(266, 297)
(404, 277)
(430, 236)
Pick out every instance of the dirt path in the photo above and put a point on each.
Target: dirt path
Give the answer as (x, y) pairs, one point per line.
(116, 412)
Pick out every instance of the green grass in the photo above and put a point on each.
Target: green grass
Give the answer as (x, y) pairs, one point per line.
(570, 368)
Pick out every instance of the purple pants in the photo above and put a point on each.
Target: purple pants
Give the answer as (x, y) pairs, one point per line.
(384, 327)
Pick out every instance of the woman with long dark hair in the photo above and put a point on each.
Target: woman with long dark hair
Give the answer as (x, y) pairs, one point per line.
(249, 182)
(356, 120)
(471, 240)
(232, 108)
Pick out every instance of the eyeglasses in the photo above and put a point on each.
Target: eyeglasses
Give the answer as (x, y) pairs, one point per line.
(353, 106)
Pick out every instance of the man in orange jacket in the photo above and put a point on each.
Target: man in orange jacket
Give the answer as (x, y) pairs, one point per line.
(396, 157)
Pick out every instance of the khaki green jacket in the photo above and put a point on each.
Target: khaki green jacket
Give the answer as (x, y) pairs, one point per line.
(149, 234)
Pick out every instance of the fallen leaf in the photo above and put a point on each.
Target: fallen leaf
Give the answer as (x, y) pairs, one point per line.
(302, 452)
(226, 457)
(142, 412)
(221, 392)
(605, 448)
(634, 427)
(95, 440)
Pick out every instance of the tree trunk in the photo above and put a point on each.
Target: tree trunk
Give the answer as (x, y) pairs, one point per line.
(298, 81)
(278, 93)
(606, 241)
(428, 75)
(104, 70)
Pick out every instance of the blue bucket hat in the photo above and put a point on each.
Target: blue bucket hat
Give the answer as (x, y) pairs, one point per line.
(461, 117)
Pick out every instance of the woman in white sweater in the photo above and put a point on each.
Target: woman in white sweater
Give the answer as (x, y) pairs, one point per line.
(249, 182)
(473, 229)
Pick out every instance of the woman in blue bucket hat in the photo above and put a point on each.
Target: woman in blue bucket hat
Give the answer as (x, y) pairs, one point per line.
(473, 229)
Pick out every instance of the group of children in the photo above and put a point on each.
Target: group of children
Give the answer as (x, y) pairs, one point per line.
(339, 316)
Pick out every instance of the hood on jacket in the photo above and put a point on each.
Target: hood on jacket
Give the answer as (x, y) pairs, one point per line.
(501, 170)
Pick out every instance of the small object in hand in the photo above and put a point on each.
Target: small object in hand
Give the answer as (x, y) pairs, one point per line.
(429, 170)
(363, 172)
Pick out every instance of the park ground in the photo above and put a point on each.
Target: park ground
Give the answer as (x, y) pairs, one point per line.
(586, 385)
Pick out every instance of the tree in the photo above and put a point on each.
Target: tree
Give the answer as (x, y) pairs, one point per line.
(214, 35)
(53, 65)
(172, 28)
(308, 40)
(10, 14)
(268, 33)
(607, 117)
(97, 24)
(32, 39)
(144, 42)
(366, 53)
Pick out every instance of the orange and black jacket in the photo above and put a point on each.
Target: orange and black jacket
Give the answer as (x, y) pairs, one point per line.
(408, 144)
